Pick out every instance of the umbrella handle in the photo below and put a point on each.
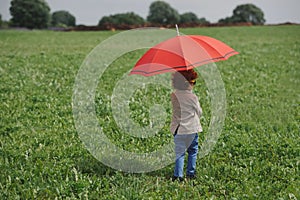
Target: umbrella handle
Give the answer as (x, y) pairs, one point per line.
(177, 30)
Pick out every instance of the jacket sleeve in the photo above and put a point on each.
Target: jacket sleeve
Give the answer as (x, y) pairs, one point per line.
(176, 112)
(197, 107)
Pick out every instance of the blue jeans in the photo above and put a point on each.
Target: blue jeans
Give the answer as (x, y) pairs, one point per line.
(183, 143)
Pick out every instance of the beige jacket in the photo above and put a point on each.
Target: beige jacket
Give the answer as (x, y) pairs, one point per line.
(186, 112)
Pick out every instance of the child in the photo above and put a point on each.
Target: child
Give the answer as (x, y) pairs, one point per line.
(185, 123)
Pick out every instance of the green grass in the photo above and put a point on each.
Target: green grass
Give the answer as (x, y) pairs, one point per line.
(256, 157)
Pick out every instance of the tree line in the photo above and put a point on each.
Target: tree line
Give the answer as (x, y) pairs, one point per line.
(35, 14)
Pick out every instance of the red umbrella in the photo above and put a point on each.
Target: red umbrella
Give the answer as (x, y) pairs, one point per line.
(182, 52)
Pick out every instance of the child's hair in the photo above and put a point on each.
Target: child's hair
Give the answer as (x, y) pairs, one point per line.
(183, 79)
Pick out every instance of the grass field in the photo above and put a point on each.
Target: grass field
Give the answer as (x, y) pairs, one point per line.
(256, 157)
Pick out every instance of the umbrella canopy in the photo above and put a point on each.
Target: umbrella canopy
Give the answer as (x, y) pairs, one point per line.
(182, 52)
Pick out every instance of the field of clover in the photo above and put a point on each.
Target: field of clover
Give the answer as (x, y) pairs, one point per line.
(42, 156)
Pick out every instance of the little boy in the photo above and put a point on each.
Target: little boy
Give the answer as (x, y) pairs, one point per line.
(185, 124)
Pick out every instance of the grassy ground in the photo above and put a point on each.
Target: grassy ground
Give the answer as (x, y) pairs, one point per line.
(256, 157)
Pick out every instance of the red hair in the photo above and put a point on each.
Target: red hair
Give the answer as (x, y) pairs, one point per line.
(182, 79)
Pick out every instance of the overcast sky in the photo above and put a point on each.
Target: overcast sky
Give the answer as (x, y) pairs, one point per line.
(89, 12)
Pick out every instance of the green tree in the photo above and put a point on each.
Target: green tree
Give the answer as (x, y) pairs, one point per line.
(162, 13)
(129, 18)
(188, 17)
(227, 20)
(107, 20)
(0, 20)
(30, 13)
(62, 17)
(246, 13)
(203, 20)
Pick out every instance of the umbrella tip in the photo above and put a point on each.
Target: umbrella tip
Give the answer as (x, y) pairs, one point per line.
(177, 30)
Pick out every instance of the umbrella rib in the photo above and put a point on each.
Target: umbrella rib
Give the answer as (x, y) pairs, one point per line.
(217, 58)
(160, 70)
(211, 46)
(180, 46)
